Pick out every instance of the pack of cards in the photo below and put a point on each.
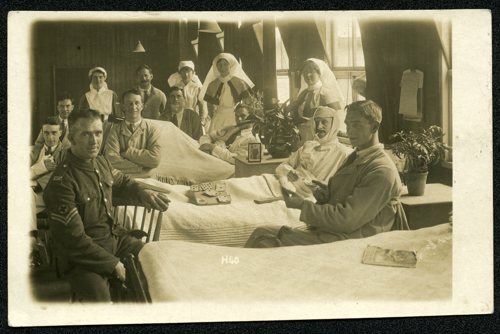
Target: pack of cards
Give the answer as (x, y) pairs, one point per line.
(210, 193)
(308, 182)
(201, 187)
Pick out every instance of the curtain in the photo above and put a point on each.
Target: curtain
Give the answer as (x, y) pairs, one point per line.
(391, 47)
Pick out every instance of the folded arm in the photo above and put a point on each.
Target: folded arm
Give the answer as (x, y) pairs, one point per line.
(112, 153)
(149, 156)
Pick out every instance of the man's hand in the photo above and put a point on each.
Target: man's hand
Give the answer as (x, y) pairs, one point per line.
(119, 272)
(49, 163)
(154, 200)
(321, 194)
(293, 175)
(285, 183)
(207, 148)
(203, 120)
(292, 200)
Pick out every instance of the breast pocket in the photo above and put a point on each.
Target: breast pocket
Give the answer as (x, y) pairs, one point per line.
(87, 203)
(107, 186)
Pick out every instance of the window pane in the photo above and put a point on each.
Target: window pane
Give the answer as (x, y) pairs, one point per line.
(347, 47)
(342, 36)
(283, 88)
(360, 58)
(281, 55)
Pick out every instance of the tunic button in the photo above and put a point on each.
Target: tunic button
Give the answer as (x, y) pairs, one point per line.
(65, 165)
(100, 183)
(88, 198)
(96, 171)
(105, 200)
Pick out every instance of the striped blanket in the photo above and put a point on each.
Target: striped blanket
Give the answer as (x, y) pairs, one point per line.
(228, 224)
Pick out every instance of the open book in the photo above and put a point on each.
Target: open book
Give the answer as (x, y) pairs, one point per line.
(389, 257)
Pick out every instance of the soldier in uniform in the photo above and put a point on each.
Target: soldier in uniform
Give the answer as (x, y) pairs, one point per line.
(78, 199)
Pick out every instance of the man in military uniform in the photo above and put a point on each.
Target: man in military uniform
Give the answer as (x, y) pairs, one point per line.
(78, 199)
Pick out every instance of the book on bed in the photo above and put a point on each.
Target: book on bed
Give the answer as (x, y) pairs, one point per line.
(389, 257)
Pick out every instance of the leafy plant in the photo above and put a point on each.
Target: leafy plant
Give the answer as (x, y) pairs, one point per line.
(257, 105)
(420, 149)
(277, 131)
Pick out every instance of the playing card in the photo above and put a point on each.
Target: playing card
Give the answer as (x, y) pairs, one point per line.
(224, 198)
(211, 193)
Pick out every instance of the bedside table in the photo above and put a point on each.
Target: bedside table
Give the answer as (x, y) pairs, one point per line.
(431, 209)
(243, 168)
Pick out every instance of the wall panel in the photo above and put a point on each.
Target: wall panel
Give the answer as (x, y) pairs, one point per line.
(106, 44)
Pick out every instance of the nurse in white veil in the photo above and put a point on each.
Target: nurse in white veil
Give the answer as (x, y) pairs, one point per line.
(318, 87)
(226, 84)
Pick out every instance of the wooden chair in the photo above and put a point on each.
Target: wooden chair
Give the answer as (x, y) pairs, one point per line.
(132, 290)
(152, 234)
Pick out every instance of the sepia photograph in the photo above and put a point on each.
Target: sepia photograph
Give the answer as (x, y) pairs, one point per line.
(254, 152)
(243, 166)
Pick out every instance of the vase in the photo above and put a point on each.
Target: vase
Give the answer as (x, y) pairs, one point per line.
(416, 183)
(281, 146)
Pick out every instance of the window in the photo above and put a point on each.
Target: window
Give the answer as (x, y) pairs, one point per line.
(341, 40)
(282, 66)
(345, 52)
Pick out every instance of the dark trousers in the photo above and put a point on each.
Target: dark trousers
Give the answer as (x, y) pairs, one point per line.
(90, 286)
(268, 236)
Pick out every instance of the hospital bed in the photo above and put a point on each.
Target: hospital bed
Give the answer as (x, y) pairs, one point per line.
(180, 271)
(222, 225)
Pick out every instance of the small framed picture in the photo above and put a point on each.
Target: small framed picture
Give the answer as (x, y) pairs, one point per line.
(254, 152)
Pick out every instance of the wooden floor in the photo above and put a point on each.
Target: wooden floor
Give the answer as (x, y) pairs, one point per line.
(46, 287)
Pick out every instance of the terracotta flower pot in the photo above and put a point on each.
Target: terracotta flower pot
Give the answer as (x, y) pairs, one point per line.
(416, 183)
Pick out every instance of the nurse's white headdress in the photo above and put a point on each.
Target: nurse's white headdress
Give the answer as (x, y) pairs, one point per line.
(176, 78)
(100, 69)
(235, 71)
(327, 79)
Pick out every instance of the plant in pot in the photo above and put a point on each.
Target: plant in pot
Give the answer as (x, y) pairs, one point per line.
(418, 150)
(277, 131)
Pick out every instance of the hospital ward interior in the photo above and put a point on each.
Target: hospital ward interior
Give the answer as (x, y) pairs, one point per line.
(255, 160)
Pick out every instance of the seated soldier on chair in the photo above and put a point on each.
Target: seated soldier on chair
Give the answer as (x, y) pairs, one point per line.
(361, 199)
(78, 199)
(232, 140)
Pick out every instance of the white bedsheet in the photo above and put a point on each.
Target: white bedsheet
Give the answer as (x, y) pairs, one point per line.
(182, 160)
(224, 225)
(182, 271)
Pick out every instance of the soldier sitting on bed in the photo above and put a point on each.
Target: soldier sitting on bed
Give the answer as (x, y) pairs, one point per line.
(78, 199)
(361, 199)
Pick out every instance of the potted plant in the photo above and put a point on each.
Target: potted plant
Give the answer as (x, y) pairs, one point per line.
(277, 131)
(418, 150)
